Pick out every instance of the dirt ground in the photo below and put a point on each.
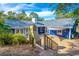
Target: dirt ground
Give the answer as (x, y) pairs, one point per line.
(19, 50)
(69, 48)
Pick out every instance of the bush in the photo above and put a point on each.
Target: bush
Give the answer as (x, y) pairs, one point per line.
(1, 42)
(6, 39)
(15, 41)
(19, 38)
(11, 39)
(31, 39)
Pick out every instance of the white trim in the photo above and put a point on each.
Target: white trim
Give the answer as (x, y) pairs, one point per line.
(54, 28)
(69, 33)
(15, 31)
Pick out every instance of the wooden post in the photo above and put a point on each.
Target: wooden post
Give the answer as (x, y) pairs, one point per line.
(51, 45)
(45, 42)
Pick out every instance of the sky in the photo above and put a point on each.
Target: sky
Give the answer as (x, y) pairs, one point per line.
(42, 9)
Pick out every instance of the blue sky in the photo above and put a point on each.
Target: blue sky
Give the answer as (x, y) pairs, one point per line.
(42, 9)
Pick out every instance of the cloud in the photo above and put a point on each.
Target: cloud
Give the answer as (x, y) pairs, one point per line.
(18, 7)
(47, 14)
(43, 12)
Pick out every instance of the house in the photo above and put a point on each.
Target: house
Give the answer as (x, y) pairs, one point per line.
(19, 26)
(62, 27)
(39, 27)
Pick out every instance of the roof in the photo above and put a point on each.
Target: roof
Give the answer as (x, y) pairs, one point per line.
(18, 23)
(39, 24)
(59, 23)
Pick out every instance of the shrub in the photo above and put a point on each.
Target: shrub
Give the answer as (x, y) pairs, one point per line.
(10, 39)
(1, 42)
(6, 38)
(15, 41)
(19, 38)
(31, 39)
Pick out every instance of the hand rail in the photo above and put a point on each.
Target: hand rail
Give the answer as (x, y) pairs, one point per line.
(49, 43)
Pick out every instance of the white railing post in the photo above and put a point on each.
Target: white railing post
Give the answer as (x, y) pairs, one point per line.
(69, 33)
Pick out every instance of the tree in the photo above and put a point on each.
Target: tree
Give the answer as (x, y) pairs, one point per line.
(76, 13)
(62, 9)
(69, 15)
(33, 15)
(23, 16)
(1, 14)
(11, 15)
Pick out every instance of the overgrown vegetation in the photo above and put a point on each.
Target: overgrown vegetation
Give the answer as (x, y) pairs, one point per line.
(31, 39)
(19, 39)
(12, 39)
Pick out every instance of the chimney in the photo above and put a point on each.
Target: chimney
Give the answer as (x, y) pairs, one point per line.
(33, 20)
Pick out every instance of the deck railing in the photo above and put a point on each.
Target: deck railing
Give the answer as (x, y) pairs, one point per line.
(49, 43)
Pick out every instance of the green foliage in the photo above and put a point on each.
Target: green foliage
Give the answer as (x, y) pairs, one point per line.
(11, 15)
(33, 15)
(19, 16)
(12, 39)
(4, 28)
(19, 39)
(6, 39)
(1, 42)
(70, 14)
(62, 7)
(31, 39)
(76, 13)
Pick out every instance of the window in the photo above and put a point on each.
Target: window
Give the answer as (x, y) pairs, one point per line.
(21, 31)
(17, 30)
(13, 31)
(24, 31)
(59, 32)
(41, 30)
